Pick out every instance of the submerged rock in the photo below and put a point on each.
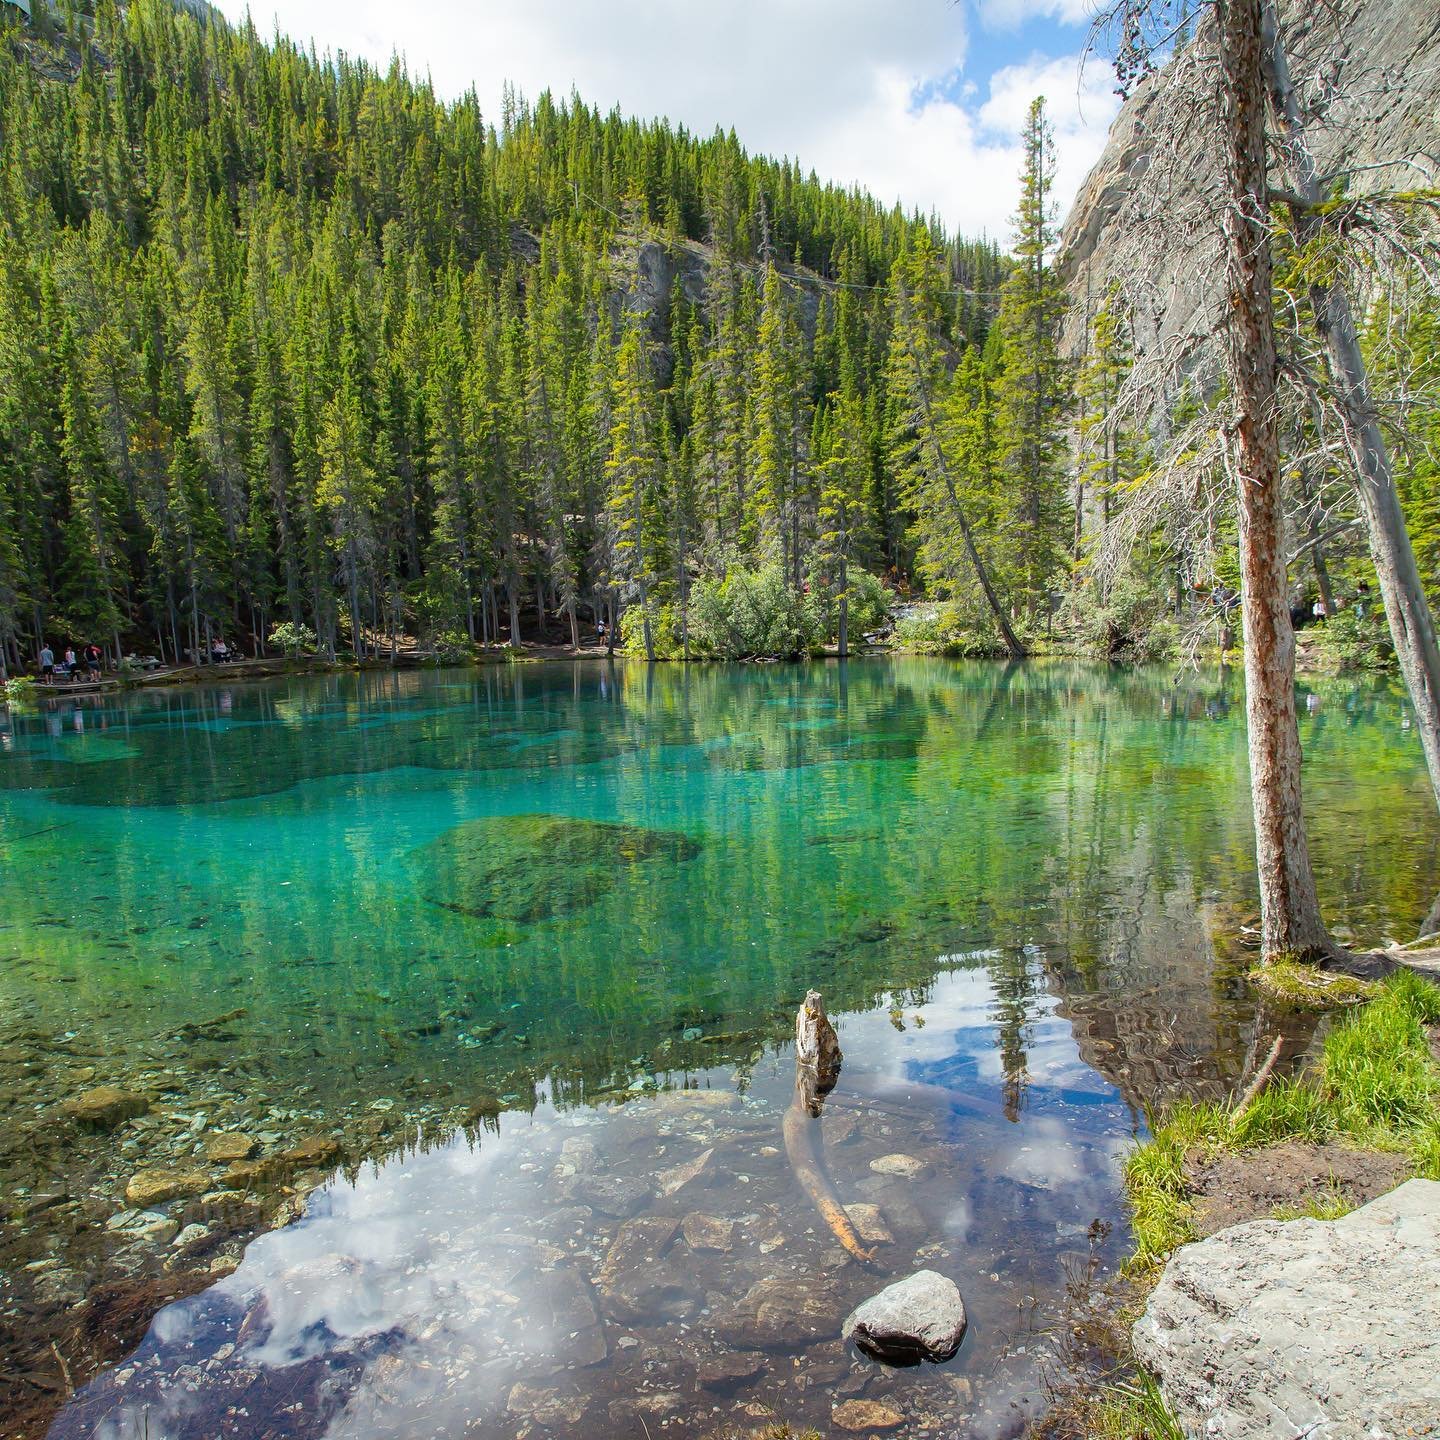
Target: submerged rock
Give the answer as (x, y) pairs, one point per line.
(921, 1317)
(707, 1232)
(527, 868)
(314, 1152)
(228, 1147)
(725, 1371)
(636, 1244)
(618, 1196)
(906, 1166)
(105, 1107)
(673, 1180)
(785, 1312)
(148, 1226)
(865, 1415)
(155, 1187)
(1304, 1327)
(869, 1223)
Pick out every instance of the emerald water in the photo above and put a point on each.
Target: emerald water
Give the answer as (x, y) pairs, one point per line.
(533, 899)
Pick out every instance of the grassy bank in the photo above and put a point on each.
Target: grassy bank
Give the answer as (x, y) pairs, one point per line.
(1377, 1087)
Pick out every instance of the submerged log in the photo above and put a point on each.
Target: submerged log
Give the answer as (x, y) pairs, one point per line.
(817, 1068)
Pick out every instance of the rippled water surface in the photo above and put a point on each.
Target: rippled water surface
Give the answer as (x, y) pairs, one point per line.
(523, 946)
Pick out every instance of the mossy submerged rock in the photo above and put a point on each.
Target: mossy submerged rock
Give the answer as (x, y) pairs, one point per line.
(105, 1107)
(527, 868)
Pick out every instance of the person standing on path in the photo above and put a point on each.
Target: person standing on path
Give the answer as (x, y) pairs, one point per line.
(47, 664)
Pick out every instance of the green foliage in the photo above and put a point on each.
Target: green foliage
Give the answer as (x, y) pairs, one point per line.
(293, 639)
(870, 605)
(958, 629)
(292, 338)
(666, 637)
(753, 615)
(20, 692)
(1296, 986)
(451, 647)
(1356, 638)
(1032, 388)
(1132, 1412)
(1155, 1179)
(1134, 621)
(1331, 1204)
(1377, 1075)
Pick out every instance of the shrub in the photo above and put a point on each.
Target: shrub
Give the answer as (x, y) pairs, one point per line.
(870, 606)
(451, 647)
(1134, 622)
(1356, 638)
(664, 632)
(754, 615)
(20, 693)
(949, 628)
(293, 639)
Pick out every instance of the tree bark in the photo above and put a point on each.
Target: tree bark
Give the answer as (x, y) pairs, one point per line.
(1412, 626)
(1290, 913)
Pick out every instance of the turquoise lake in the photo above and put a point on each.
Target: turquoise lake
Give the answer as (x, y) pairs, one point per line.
(481, 925)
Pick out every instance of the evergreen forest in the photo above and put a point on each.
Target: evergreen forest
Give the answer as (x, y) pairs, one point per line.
(287, 340)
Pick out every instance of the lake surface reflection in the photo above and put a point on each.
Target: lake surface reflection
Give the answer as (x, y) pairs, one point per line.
(581, 1271)
(533, 937)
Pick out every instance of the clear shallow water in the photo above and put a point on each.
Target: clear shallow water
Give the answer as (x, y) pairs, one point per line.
(557, 889)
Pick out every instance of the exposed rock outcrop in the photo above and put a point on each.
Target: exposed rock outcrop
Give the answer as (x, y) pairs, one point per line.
(1368, 73)
(1304, 1327)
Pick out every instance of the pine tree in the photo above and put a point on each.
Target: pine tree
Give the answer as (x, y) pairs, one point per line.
(844, 474)
(781, 427)
(348, 491)
(1032, 388)
(631, 470)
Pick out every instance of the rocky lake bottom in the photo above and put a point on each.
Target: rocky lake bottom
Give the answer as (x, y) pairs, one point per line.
(400, 1056)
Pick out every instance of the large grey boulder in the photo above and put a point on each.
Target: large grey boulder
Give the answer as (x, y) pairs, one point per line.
(921, 1317)
(1327, 1329)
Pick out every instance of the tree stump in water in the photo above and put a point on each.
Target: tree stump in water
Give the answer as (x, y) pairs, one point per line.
(817, 1051)
(817, 1068)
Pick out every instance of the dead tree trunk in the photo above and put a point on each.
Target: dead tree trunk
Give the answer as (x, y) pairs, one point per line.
(1290, 913)
(1412, 626)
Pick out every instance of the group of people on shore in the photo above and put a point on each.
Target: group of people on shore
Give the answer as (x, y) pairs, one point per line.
(91, 661)
(1318, 611)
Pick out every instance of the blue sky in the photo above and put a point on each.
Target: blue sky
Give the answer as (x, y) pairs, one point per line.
(917, 100)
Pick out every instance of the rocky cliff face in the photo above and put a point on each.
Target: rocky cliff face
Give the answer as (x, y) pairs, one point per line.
(1369, 75)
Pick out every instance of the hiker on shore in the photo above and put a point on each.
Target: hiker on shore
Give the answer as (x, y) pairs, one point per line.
(93, 656)
(47, 665)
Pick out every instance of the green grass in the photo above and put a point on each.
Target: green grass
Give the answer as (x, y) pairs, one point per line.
(1377, 1087)
(1124, 1411)
(1329, 1205)
(1137, 1413)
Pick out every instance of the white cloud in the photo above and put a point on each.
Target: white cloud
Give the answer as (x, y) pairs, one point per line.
(1011, 14)
(1079, 100)
(857, 91)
